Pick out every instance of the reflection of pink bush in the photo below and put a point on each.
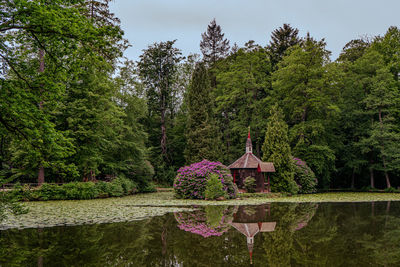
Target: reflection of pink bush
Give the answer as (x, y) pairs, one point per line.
(300, 225)
(196, 223)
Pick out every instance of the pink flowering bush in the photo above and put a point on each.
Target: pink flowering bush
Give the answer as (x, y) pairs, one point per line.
(205, 223)
(191, 181)
(304, 177)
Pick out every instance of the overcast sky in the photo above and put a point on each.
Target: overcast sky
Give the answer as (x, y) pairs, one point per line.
(338, 21)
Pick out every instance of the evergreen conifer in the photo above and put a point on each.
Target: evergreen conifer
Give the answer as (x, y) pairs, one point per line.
(276, 149)
(200, 132)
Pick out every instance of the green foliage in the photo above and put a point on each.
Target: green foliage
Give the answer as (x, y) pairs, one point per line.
(150, 188)
(304, 177)
(157, 67)
(242, 99)
(214, 188)
(213, 46)
(281, 40)
(77, 190)
(391, 190)
(276, 149)
(250, 184)
(307, 95)
(9, 203)
(200, 132)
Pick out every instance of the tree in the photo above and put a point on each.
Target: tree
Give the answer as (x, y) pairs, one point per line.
(281, 40)
(157, 67)
(276, 149)
(242, 98)
(304, 88)
(213, 46)
(200, 131)
(353, 50)
(53, 30)
(382, 103)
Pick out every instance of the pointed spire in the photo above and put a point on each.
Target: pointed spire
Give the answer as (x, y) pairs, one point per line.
(249, 145)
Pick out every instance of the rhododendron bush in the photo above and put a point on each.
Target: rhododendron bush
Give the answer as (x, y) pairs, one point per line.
(304, 177)
(191, 180)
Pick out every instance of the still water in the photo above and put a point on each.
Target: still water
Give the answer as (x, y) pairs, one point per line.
(276, 234)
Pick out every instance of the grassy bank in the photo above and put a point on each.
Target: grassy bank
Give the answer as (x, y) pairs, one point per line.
(139, 206)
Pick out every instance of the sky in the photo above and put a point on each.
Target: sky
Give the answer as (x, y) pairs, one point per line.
(338, 21)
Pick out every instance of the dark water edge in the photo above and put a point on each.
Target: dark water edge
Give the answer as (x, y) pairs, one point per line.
(276, 234)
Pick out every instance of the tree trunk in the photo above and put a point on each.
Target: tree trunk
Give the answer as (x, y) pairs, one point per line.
(371, 175)
(41, 69)
(163, 136)
(383, 152)
(163, 110)
(353, 178)
(41, 175)
(371, 170)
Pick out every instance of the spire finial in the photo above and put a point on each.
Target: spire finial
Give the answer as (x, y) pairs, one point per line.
(249, 147)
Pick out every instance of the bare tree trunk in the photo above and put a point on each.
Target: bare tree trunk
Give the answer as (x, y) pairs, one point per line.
(41, 69)
(371, 175)
(163, 135)
(371, 170)
(353, 178)
(383, 153)
(163, 123)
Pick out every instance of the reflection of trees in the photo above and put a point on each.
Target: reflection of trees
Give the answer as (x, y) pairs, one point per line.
(278, 245)
(330, 235)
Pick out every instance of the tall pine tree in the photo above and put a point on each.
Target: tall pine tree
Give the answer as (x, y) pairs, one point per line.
(276, 149)
(281, 39)
(200, 132)
(213, 46)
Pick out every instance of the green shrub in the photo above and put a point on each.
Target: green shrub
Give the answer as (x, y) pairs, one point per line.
(304, 177)
(369, 189)
(250, 184)
(76, 190)
(214, 187)
(51, 192)
(391, 190)
(149, 188)
(80, 190)
(20, 192)
(103, 188)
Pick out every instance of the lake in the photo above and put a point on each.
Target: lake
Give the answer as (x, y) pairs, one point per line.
(275, 234)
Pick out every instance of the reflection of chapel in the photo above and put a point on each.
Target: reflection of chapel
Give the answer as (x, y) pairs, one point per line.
(249, 165)
(251, 224)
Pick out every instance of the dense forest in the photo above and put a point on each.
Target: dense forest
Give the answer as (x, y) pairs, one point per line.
(73, 108)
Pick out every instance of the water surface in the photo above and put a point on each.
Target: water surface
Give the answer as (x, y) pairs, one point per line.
(276, 234)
